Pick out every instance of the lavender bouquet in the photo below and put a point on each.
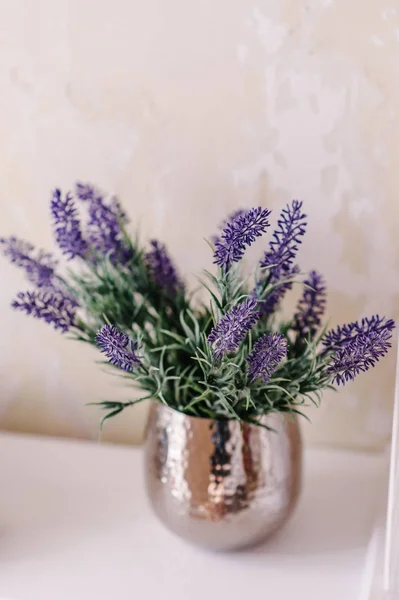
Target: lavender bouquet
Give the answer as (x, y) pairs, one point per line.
(230, 358)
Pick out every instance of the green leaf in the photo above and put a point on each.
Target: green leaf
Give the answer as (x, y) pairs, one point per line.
(213, 295)
(108, 416)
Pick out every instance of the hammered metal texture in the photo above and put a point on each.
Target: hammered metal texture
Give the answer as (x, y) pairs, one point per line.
(217, 485)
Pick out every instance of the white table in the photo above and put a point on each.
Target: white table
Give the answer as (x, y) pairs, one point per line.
(75, 525)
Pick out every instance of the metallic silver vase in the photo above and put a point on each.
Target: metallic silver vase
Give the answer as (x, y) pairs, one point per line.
(218, 485)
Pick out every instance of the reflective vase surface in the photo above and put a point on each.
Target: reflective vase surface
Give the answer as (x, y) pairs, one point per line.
(218, 485)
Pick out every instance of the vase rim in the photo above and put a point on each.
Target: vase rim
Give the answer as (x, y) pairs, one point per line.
(159, 405)
(167, 408)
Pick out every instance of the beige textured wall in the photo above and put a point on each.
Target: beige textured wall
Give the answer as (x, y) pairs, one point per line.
(186, 110)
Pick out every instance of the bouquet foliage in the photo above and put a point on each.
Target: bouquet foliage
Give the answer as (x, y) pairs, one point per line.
(232, 357)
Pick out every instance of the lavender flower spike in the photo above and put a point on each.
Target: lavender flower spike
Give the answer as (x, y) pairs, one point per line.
(266, 355)
(67, 226)
(232, 329)
(242, 231)
(345, 334)
(118, 348)
(39, 268)
(286, 238)
(53, 307)
(357, 346)
(105, 234)
(283, 248)
(85, 191)
(311, 306)
(232, 217)
(162, 270)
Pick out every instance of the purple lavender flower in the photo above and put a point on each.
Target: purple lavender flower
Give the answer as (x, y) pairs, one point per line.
(266, 355)
(359, 355)
(51, 306)
(242, 231)
(311, 306)
(39, 268)
(104, 227)
(85, 191)
(67, 226)
(232, 329)
(232, 217)
(283, 248)
(162, 269)
(345, 334)
(357, 346)
(104, 232)
(239, 212)
(120, 350)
